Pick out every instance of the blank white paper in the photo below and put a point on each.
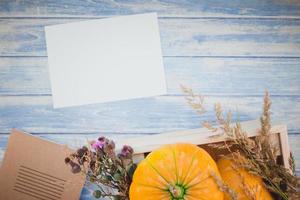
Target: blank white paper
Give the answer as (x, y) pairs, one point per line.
(105, 60)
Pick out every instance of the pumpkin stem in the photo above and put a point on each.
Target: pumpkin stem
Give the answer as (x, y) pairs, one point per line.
(177, 191)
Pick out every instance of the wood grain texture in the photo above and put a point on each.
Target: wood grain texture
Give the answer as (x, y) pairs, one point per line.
(167, 8)
(179, 37)
(148, 115)
(229, 50)
(210, 76)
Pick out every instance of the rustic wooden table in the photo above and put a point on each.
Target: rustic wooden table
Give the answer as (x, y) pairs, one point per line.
(231, 51)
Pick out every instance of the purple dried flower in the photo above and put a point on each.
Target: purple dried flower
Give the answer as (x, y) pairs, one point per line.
(111, 145)
(75, 168)
(99, 144)
(85, 149)
(126, 155)
(102, 139)
(109, 149)
(80, 152)
(67, 160)
(127, 151)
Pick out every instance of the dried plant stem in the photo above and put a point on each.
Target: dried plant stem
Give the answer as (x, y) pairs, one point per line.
(260, 153)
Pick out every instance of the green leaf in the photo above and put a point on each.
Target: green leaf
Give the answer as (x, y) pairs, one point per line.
(97, 194)
(131, 170)
(117, 176)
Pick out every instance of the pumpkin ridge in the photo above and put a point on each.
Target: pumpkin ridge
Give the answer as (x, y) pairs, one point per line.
(175, 162)
(190, 186)
(152, 167)
(189, 169)
(198, 198)
(151, 186)
(190, 165)
(170, 170)
(164, 155)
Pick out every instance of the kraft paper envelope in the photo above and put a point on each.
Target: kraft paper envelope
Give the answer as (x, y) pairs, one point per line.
(34, 169)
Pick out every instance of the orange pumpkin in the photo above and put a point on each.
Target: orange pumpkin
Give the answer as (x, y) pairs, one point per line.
(242, 182)
(176, 172)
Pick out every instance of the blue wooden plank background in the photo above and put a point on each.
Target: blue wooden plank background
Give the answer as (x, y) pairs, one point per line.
(231, 51)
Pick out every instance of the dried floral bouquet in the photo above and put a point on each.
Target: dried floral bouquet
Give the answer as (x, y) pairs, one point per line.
(113, 172)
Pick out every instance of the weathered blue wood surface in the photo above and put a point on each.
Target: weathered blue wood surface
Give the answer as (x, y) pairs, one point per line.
(210, 75)
(177, 8)
(230, 51)
(149, 115)
(179, 36)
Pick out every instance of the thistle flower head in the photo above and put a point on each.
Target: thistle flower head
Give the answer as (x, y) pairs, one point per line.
(126, 151)
(109, 149)
(99, 144)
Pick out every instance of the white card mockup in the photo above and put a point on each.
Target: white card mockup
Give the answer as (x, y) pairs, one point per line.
(105, 60)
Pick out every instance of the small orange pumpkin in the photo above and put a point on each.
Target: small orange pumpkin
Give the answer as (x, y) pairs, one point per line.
(241, 181)
(176, 172)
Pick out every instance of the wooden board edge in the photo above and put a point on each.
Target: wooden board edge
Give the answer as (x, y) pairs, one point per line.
(145, 144)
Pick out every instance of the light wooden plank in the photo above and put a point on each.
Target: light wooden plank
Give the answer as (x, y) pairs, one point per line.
(180, 37)
(149, 115)
(202, 8)
(285, 148)
(211, 76)
(198, 136)
(204, 137)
